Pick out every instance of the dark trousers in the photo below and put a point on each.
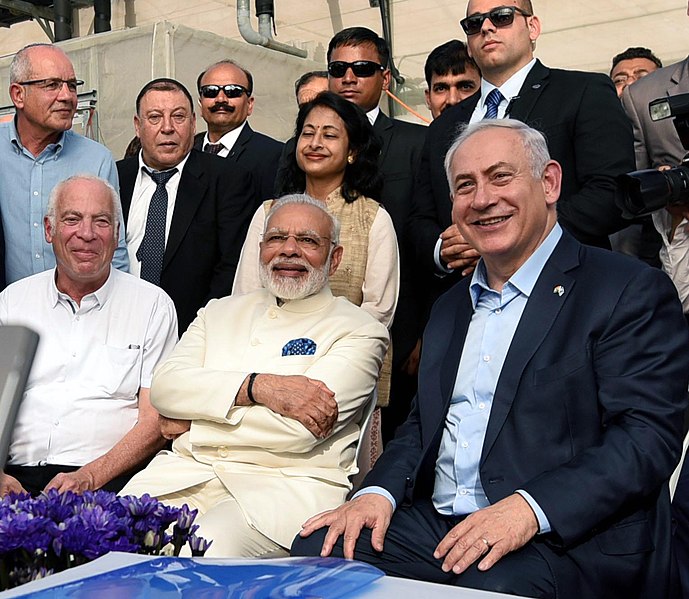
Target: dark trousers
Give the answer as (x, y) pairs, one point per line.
(35, 478)
(410, 541)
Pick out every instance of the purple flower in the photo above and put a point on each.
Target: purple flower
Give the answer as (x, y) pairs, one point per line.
(198, 545)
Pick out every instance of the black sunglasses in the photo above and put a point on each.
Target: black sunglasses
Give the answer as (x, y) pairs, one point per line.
(231, 90)
(502, 16)
(360, 68)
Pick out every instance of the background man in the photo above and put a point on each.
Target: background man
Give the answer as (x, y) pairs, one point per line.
(265, 393)
(226, 100)
(552, 389)
(309, 85)
(86, 420)
(631, 65)
(37, 150)
(451, 76)
(186, 211)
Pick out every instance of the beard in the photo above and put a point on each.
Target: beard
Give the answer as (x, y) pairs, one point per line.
(291, 288)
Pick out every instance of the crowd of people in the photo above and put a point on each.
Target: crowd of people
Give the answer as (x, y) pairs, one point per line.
(235, 323)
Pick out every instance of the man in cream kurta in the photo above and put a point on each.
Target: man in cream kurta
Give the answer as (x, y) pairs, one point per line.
(264, 394)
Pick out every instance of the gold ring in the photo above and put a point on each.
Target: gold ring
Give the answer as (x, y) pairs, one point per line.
(486, 542)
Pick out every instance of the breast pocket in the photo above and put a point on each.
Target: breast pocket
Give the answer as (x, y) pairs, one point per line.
(562, 369)
(116, 370)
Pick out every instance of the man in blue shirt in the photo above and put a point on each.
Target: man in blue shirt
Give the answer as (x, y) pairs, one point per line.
(37, 151)
(549, 416)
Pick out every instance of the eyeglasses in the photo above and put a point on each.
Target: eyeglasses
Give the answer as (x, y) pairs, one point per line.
(54, 84)
(306, 241)
(178, 118)
(231, 90)
(360, 68)
(502, 16)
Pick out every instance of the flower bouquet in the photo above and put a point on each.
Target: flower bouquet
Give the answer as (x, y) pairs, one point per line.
(56, 531)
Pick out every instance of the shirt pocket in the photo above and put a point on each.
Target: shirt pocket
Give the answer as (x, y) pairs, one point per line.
(119, 371)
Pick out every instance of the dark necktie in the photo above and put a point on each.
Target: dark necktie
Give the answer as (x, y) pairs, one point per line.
(492, 102)
(152, 248)
(213, 148)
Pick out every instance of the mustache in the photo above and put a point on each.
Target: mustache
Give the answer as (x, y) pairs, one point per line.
(222, 106)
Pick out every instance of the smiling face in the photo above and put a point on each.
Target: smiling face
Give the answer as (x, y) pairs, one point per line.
(363, 91)
(323, 145)
(501, 52)
(500, 208)
(448, 89)
(293, 270)
(166, 126)
(41, 112)
(83, 235)
(224, 114)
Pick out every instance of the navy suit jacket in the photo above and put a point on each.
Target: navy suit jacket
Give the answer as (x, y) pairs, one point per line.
(587, 415)
(587, 131)
(213, 208)
(256, 153)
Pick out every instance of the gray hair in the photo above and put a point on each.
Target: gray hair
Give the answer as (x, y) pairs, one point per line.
(535, 145)
(306, 200)
(20, 68)
(58, 190)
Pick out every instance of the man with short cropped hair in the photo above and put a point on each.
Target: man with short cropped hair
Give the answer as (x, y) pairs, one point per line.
(631, 65)
(226, 100)
(309, 85)
(85, 421)
(265, 394)
(37, 150)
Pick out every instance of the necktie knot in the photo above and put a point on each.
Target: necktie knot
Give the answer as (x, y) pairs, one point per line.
(492, 102)
(213, 148)
(161, 177)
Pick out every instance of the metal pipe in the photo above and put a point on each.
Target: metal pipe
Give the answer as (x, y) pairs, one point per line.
(102, 16)
(63, 20)
(258, 39)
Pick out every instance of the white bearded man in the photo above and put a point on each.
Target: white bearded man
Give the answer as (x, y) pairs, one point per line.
(265, 393)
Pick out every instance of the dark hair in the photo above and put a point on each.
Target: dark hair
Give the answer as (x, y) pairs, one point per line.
(450, 57)
(635, 52)
(163, 84)
(248, 75)
(356, 36)
(306, 77)
(362, 176)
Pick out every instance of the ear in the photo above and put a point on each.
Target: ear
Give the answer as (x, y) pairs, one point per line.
(427, 94)
(17, 95)
(552, 181)
(335, 259)
(48, 229)
(534, 25)
(386, 79)
(250, 106)
(137, 126)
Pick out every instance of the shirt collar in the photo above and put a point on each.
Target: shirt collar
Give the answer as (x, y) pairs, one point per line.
(312, 303)
(143, 165)
(524, 280)
(17, 142)
(372, 115)
(228, 140)
(100, 295)
(510, 89)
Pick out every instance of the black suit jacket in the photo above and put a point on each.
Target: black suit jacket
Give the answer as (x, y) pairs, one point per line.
(587, 416)
(213, 208)
(587, 131)
(256, 153)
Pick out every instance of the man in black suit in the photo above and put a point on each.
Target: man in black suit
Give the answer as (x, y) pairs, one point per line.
(586, 128)
(226, 99)
(186, 212)
(552, 390)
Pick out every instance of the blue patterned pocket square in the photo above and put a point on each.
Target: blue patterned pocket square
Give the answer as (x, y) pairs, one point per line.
(299, 347)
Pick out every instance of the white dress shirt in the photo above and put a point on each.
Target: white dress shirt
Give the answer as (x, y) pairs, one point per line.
(227, 141)
(81, 397)
(144, 187)
(674, 255)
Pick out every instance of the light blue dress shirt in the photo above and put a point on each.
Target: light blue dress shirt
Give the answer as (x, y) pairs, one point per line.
(25, 185)
(458, 490)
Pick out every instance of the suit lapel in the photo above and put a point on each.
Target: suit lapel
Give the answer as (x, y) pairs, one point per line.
(127, 174)
(549, 295)
(450, 363)
(190, 194)
(534, 84)
(383, 128)
(241, 143)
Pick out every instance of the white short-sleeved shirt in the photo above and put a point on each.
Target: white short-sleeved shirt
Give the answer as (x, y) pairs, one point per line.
(81, 397)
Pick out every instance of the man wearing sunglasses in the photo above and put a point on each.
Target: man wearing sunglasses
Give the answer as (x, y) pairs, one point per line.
(225, 97)
(37, 151)
(186, 211)
(587, 133)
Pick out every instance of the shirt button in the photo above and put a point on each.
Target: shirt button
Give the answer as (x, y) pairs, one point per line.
(35, 193)
(74, 354)
(56, 422)
(254, 341)
(35, 224)
(272, 314)
(498, 310)
(465, 444)
(38, 255)
(463, 492)
(223, 452)
(486, 358)
(481, 406)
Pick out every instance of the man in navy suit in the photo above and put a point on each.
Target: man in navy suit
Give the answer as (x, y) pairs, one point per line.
(226, 100)
(549, 414)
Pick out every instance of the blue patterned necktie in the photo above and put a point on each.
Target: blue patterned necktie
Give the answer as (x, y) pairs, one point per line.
(152, 248)
(492, 102)
(213, 148)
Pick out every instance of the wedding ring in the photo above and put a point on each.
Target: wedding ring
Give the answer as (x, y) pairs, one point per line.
(486, 542)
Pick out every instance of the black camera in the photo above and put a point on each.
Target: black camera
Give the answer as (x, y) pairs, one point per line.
(643, 192)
